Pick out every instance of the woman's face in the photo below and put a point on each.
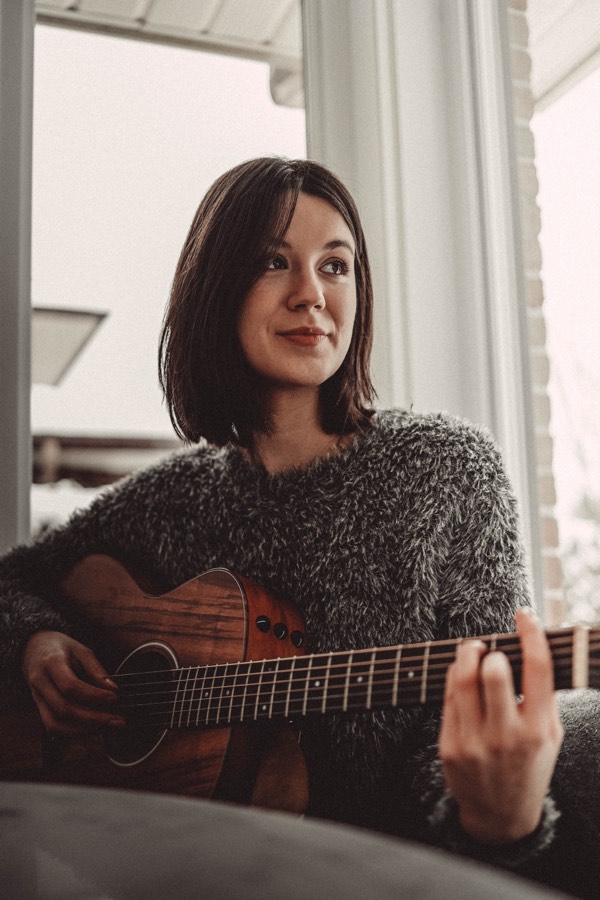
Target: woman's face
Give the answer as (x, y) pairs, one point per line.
(296, 323)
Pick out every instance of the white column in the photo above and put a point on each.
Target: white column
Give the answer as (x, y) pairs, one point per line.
(409, 102)
(16, 88)
(501, 249)
(352, 126)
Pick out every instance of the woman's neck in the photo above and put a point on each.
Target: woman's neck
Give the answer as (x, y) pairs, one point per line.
(297, 437)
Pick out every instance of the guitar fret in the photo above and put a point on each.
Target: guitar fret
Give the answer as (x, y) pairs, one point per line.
(306, 686)
(275, 671)
(510, 645)
(289, 689)
(279, 687)
(233, 688)
(360, 684)
(209, 694)
(178, 701)
(258, 688)
(370, 682)
(172, 725)
(409, 669)
(384, 681)
(185, 700)
(347, 685)
(326, 685)
(200, 696)
(245, 694)
(423, 696)
(396, 676)
(191, 700)
(335, 672)
(265, 688)
(319, 684)
(222, 673)
(220, 679)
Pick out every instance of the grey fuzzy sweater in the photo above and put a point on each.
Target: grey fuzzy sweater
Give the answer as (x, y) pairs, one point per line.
(409, 534)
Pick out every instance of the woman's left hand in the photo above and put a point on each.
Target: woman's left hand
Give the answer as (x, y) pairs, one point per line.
(499, 755)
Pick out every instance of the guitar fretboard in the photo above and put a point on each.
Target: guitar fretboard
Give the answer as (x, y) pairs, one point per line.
(294, 687)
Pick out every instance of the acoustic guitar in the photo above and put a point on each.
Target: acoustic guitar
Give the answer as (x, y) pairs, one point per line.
(213, 679)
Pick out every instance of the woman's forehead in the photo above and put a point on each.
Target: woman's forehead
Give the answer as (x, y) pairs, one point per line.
(315, 216)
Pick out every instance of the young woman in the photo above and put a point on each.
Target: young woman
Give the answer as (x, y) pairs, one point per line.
(382, 527)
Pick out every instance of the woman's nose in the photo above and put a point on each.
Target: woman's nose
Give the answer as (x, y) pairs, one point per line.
(307, 292)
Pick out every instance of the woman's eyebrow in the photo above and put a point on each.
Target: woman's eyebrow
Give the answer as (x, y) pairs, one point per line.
(333, 245)
(330, 245)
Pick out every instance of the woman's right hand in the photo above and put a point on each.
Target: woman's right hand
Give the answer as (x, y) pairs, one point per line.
(72, 690)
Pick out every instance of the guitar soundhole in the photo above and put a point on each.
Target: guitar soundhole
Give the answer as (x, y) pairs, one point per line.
(146, 688)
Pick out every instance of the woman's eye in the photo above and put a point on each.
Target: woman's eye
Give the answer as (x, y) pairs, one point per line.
(336, 267)
(278, 262)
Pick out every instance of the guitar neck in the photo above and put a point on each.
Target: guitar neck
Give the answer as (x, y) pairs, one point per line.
(298, 686)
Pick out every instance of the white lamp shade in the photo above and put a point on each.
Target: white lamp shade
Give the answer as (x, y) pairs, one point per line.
(57, 338)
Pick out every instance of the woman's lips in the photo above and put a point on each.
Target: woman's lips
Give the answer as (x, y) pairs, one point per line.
(307, 337)
(306, 340)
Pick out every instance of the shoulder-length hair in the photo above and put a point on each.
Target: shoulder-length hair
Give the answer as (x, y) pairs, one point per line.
(210, 390)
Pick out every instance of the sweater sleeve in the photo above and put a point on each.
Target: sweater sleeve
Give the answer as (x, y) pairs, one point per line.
(442, 828)
(124, 521)
(482, 583)
(483, 580)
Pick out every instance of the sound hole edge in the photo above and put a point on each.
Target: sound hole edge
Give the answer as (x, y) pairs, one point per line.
(137, 742)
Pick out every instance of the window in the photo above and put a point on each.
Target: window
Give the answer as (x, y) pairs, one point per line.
(128, 136)
(567, 137)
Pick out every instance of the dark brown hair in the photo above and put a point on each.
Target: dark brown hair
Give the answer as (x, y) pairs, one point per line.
(210, 390)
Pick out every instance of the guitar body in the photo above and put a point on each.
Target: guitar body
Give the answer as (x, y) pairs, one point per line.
(209, 620)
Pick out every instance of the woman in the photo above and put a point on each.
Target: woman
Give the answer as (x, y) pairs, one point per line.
(384, 528)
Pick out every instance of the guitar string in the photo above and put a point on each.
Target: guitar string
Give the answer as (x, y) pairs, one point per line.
(254, 691)
(213, 676)
(218, 682)
(382, 678)
(281, 708)
(406, 663)
(281, 679)
(252, 708)
(504, 641)
(329, 658)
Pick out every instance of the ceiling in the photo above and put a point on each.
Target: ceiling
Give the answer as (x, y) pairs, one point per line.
(564, 34)
(267, 30)
(564, 42)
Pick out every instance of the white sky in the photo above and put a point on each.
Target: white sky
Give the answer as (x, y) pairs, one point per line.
(567, 138)
(127, 138)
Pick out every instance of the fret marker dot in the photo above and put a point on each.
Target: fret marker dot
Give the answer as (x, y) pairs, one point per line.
(360, 678)
(317, 684)
(264, 707)
(411, 674)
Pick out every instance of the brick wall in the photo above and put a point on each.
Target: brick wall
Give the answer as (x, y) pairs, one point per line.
(555, 605)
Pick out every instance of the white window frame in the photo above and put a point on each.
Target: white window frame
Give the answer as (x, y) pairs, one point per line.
(411, 104)
(16, 114)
